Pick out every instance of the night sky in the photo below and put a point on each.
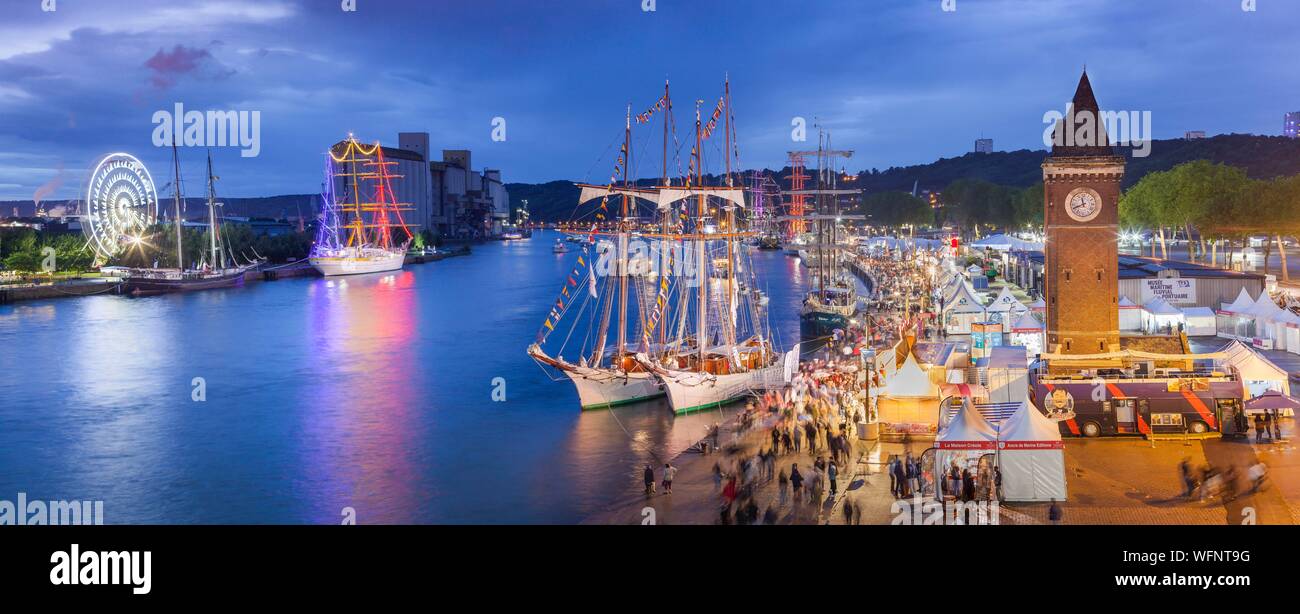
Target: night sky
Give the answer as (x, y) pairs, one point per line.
(899, 81)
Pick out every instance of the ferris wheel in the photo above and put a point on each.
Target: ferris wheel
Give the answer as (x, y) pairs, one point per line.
(121, 203)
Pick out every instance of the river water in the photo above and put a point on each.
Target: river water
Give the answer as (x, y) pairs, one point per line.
(372, 393)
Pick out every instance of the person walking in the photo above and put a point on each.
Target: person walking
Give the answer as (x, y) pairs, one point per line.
(1054, 513)
(796, 482)
(798, 439)
(649, 480)
(1259, 428)
(893, 483)
(833, 474)
(1185, 473)
(900, 476)
(669, 472)
(1277, 428)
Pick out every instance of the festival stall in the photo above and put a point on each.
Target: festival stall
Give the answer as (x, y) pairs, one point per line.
(1031, 456)
(965, 438)
(962, 310)
(909, 402)
(1038, 306)
(1159, 317)
(1200, 321)
(1130, 316)
(1028, 333)
(1005, 307)
(1235, 319)
(1271, 322)
(1257, 373)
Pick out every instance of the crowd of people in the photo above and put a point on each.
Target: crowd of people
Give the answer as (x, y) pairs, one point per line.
(1208, 482)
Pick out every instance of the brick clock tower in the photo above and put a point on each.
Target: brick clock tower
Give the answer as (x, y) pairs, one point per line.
(1081, 190)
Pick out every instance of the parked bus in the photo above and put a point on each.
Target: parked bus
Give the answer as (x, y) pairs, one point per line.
(1114, 402)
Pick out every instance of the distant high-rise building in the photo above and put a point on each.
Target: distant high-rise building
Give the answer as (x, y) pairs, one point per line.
(1291, 125)
(1194, 134)
(983, 145)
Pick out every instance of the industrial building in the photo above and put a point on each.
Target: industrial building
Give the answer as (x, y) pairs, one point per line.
(447, 197)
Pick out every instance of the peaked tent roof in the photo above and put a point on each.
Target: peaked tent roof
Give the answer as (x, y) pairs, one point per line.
(968, 429)
(1005, 301)
(1252, 364)
(971, 304)
(1027, 324)
(1028, 424)
(911, 381)
(1158, 306)
(1124, 303)
(1242, 304)
(1038, 305)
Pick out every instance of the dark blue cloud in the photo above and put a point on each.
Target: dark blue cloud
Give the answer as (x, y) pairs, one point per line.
(900, 81)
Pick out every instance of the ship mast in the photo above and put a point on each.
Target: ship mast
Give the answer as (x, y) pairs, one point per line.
(730, 229)
(622, 241)
(702, 323)
(212, 213)
(665, 256)
(176, 168)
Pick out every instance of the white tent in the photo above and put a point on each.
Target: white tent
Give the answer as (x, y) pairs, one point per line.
(1159, 316)
(1130, 315)
(1031, 456)
(1242, 304)
(962, 310)
(1027, 331)
(1271, 321)
(911, 382)
(1236, 319)
(966, 437)
(1257, 373)
(1004, 242)
(1200, 321)
(1005, 307)
(1039, 305)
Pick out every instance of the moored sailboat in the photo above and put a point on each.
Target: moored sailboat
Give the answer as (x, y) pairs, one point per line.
(356, 236)
(732, 353)
(608, 376)
(217, 269)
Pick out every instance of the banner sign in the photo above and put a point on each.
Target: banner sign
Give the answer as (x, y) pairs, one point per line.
(1175, 291)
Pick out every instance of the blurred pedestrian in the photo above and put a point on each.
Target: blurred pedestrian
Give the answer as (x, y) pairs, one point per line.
(669, 472)
(649, 480)
(1054, 513)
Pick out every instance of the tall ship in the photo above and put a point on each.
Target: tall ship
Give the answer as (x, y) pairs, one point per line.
(611, 294)
(833, 300)
(723, 349)
(216, 268)
(363, 232)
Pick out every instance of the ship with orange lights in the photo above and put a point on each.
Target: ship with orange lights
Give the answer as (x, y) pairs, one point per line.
(359, 232)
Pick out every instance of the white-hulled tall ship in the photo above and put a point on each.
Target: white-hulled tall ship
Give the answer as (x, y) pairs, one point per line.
(355, 235)
(731, 353)
(619, 296)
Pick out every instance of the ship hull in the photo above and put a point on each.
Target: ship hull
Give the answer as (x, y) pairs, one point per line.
(818, 324)
(602, 389)
(690, 391)
(143, 286)
(332, 266)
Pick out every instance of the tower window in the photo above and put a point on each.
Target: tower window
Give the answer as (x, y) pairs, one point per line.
(1068, 343)
(1067, 273)
(1101, 344)
(1099, 272)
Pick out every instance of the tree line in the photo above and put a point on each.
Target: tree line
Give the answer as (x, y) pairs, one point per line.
(1215, 206)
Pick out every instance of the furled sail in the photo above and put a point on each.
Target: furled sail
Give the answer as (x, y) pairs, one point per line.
(667, 196)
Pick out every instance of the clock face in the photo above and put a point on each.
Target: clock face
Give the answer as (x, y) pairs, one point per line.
(1083, 205)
